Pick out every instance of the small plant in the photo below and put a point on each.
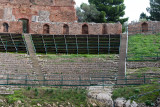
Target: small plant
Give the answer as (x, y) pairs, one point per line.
(28, 88)
(36, 92)
(149, 103)
(137, 90)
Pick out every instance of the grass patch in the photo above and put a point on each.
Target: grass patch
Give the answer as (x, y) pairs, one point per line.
(143, 45)
(33, 96)
(71, 56)
(143, 70)
(133, 91)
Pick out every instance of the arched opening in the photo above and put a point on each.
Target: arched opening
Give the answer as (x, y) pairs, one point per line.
(144, 27)
(65, 29)
(85, 29)
(46, 29)
(104, 31)
(25, 25)
(5, 27)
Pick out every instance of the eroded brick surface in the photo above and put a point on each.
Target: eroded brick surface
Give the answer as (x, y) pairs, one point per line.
(150, 27)
(55, 13)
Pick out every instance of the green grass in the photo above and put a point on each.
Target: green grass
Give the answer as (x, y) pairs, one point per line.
(33, 96)
(134, 91)
(143, 70)
(143, 45)
(70, 56)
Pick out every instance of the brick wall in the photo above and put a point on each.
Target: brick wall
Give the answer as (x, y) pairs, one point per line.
(14, 27)
(63, 11)
(57, 28)
(41, 2)
(39, 12)
(76, 28)
(137, 28)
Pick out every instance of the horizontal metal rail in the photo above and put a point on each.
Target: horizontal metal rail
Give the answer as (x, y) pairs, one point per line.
(76, 80)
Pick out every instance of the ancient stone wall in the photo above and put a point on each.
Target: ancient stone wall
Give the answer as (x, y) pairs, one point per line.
(76, 28)
(38, 10)
(150, 27)
(53, 13)
(57, 28)
(41, 2)
(13, 27)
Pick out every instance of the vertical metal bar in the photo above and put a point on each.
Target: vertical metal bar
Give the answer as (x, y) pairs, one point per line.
(87, 45)
(26, 79)
(109, 44)
(103, 81)
(126, 79)
(144, 78)
(6, 46)
(76, 43)
(90, 80)
(55, 44)
(80, 80)
(44, 44)
(13, 42)
(98, 44)
(44, 80)
(3, 44)
(66, 44)
(7, 79)
(62, 80)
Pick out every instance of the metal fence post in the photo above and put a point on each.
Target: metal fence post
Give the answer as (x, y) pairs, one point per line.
(7, 79)
(103, 81)
(79, 80)
(26, 79)
(144, 78)
(44, 79)
(61, 80)
(126, 79)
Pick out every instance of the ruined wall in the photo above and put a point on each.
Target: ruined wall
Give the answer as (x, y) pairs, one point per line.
(38, 10)
(76, 28)
(14, 27)
(57, 28)
(138, 28)
(54, 13)
(41, 2)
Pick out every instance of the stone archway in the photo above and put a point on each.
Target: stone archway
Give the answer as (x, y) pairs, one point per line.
(46, 29)
(25, 23)
(144, 27)
(65, 29)
(5, 27)
(85, 29)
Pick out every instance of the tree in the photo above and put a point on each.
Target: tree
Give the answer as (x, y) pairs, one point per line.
(114, 9)
(144, 17)
(89, 13)
(154, 10)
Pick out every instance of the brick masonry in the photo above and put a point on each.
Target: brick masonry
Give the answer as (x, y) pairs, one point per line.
(149, 27)
(54, 13)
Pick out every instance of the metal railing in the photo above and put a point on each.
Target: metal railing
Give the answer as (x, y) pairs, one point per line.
(77, 80)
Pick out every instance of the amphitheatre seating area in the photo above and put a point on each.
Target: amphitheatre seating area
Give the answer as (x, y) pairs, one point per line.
(76, 44)
(17, 68)
(12, 43)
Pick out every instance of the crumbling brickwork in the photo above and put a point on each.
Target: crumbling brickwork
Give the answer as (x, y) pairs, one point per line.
(76, 28)
(30, 16)
(149, 27)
